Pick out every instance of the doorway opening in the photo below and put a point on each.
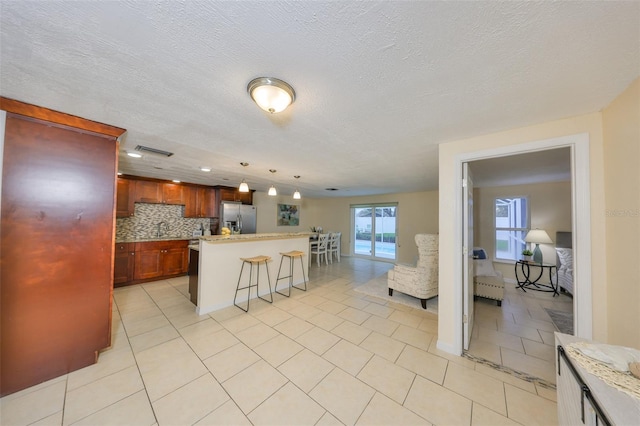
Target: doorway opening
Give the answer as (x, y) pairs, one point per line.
(374, 230)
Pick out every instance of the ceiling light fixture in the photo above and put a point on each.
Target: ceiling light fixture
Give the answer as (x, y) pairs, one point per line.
(243, 185)
(296, 195)
(176, 181)
(134, 154)
(205, 169)
(271, 94)
(272, 190)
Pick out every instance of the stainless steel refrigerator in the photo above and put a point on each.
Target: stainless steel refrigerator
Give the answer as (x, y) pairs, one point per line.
(238, 217)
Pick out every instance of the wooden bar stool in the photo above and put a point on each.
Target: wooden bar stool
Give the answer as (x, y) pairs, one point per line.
(291, 255)
(256, 260)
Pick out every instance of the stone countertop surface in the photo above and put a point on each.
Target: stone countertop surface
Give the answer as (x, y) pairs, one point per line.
(144, 240)
(238, 238)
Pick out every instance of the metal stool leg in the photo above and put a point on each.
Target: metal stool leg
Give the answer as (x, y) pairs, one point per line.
(242, 288)
(304, 278)
(278, 278)
(268, 281)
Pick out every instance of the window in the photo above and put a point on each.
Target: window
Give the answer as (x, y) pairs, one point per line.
(374, 230)
(512, 224)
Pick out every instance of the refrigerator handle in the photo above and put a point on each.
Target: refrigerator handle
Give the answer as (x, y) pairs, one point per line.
(239, 222)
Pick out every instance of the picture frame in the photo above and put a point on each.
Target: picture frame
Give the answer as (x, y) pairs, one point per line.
(288, 215)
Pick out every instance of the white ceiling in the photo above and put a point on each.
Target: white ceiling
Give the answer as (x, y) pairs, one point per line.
(379, 84)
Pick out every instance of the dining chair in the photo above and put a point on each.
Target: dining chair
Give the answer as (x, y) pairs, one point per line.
(320, 249)
(333, 246)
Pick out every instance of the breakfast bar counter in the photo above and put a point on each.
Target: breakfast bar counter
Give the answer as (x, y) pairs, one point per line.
(219, 264)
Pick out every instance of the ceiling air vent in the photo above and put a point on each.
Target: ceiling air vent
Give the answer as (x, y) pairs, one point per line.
(149, 150)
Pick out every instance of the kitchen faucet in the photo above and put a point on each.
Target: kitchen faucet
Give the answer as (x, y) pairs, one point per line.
(166, 228)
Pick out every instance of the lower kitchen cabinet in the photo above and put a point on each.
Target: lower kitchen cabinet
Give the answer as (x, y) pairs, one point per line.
(124, 263)
(149, 261)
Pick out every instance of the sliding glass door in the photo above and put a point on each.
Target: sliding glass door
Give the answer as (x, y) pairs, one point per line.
(374, 231)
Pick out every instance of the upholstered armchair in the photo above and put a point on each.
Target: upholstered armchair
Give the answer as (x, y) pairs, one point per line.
(419, 281)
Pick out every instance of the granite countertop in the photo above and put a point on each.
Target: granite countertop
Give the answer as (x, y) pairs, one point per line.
(254, 237)
(144, 240)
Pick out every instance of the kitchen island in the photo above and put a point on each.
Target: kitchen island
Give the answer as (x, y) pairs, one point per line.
(219, 265)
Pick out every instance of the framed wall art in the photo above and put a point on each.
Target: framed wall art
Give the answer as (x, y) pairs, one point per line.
(288, 215)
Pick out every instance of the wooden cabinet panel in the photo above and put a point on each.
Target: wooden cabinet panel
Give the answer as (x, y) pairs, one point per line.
(124, 263)
(232, 194)
(148, 192)
(58, 193)
(156, 259)
(172, 193)
(148, 263)
(124, 200)
(190, 202)
(211, 203)
(175, 260)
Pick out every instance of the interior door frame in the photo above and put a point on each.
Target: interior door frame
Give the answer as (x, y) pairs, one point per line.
(468, 310)
(581, 226)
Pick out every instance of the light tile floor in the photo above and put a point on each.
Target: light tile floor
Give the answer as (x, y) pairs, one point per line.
(330, 355)
(518, 336)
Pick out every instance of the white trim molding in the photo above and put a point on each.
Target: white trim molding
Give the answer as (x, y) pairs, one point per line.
(581, 228)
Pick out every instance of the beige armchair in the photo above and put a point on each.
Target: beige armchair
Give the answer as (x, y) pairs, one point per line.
(419, 281)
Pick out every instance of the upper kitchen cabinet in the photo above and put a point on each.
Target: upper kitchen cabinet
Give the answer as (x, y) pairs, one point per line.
(148, 191)
(57, 235)
(173, 193)
(125, 206)
(232, 194)
(198, 202)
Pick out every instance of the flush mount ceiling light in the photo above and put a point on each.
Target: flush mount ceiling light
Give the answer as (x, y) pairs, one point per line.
(134, 154)
(271, 94)
(272, 190)
(296, 195)
(243, 185)
(205, 169)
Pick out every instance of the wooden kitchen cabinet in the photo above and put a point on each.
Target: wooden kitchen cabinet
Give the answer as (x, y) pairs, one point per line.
(57, 233)
(124, 263)
(232, 194)
(125, 206)
(148, 191)
(172, 193)
(199, 202)
(160, 259)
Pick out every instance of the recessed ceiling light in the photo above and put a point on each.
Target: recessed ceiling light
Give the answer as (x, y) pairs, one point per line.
(331, 189)
(134, 154)
(205, 169)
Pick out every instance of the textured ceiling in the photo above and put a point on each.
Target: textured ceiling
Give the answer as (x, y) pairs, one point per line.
(379, 84)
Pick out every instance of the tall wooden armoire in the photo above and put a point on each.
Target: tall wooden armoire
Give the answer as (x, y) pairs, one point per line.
(57, 233)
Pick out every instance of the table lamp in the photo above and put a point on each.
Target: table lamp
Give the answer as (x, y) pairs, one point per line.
(537, 236)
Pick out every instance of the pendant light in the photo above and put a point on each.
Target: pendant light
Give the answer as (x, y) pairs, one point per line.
(271, 94)
(272, 191)
(296, 195)
(243, 185)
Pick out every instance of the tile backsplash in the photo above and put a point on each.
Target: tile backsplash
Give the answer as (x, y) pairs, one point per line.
(144, 222)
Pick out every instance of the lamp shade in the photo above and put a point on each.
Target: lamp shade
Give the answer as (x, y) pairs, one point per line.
(538, 236)
(271, 94)
(296, 195)
(272, 191)
(243, 187)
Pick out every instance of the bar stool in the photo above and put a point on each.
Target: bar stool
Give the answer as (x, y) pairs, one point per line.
(256, 260)
(291, 255)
